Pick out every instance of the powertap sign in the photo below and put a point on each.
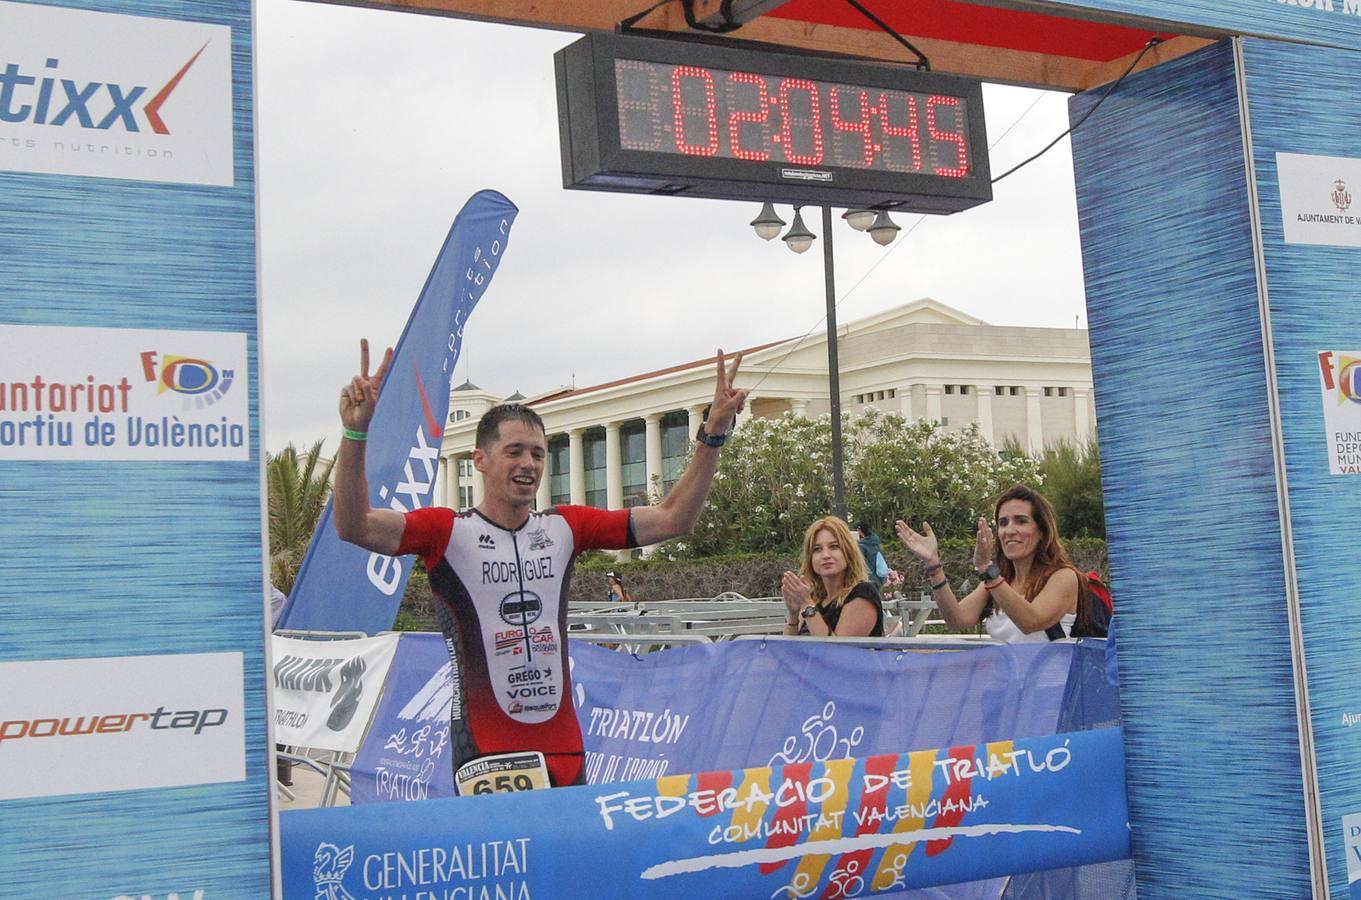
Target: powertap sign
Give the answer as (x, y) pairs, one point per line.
(76, 726)
(114, 96)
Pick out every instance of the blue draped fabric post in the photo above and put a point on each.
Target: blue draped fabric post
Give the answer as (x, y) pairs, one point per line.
(135, 756)
(1222, 293)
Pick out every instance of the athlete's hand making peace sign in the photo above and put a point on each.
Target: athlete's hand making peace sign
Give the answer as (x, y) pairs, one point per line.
(359, 398)
(728, 400)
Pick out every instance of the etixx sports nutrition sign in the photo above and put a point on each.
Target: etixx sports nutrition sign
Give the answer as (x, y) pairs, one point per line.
(114, 96)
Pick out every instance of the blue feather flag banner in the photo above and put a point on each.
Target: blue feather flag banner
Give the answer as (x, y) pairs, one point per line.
(341, 587)
(1231, 301)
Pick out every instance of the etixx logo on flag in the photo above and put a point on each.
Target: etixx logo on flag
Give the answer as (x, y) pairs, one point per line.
(115, 96)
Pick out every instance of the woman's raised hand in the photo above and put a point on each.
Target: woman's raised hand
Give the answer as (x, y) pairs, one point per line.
(797, 593)
(984, 544)
(924, 545)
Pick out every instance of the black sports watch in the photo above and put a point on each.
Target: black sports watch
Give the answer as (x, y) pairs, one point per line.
(990, 573)
(808, 612)
(710, 440)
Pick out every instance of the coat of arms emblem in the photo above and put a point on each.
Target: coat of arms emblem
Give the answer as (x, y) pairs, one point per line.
(328, 871)
(1342, 199)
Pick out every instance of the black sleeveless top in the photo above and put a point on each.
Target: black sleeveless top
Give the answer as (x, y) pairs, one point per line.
(831, 614)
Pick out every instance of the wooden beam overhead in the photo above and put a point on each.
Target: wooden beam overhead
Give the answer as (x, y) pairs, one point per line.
(990, 63)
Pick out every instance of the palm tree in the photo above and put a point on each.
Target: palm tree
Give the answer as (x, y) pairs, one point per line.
(298, 489)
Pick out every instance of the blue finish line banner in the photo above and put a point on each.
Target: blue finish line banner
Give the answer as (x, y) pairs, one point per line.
(733, 705)
(881, 824)
(341, 587)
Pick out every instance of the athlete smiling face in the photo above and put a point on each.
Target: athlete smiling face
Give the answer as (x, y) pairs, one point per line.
(511, 462)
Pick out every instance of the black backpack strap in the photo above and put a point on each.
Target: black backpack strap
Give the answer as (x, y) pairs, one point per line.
(1055, 632)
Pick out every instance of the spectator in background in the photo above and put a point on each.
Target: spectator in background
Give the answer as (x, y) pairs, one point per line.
(1034, 585)
(872, 549)
(277, 600)
(615, 583)
(831, 594)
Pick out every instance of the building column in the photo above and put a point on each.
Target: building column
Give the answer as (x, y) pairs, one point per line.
(933, 395)
(477, 486)
(1034, 430)
(905, 401)
(544, 498)
(442, 492)
(614, 468)
(576, 465)
(739, 418)
(696, 414)
(455, 481)
(1082, 417)
(799, 407)
(653, 423)
(984, 392)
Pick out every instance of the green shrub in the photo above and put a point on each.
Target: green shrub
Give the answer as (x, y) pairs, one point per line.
(1072, 482)
(773, 480)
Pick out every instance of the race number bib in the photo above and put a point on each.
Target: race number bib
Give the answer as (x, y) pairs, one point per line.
(502, 773)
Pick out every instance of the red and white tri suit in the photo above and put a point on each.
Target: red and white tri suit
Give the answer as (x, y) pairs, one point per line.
(503, 610)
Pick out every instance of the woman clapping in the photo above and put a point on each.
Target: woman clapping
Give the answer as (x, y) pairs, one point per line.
(1030, 589)
(831, 594)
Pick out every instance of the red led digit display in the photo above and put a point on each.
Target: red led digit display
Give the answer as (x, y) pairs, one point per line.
(757, 101)
(664, 108)
(650, 115)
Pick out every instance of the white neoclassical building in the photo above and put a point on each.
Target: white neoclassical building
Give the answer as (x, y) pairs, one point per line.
(607, 442)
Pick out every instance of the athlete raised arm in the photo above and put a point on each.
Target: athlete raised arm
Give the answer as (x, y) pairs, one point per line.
(501, 573)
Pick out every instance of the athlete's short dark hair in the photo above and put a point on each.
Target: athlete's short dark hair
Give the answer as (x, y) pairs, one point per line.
(489, 426)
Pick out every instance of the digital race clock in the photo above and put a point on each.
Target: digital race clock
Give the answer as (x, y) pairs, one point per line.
(643, 115)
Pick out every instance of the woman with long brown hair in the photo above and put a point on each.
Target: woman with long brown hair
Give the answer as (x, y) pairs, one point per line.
(1031, 586)
(831, 594)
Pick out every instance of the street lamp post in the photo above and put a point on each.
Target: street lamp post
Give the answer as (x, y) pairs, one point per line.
(833, 368)
(882, 229)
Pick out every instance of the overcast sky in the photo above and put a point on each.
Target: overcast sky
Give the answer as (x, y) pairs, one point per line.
(375, 127)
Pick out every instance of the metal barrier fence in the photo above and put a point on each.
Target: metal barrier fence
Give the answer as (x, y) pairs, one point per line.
(725, 617)
(332, 765)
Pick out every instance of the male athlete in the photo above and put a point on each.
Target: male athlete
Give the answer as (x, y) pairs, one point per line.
(501, 571)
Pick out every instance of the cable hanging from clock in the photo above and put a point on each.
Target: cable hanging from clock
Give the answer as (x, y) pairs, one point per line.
(1152, 42)
(729, 20)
